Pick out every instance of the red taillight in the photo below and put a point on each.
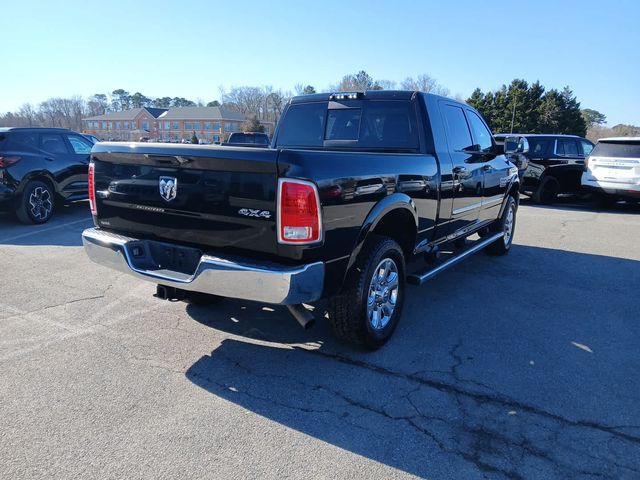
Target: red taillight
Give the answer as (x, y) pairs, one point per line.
(299, 212)
(92, 190)
(8, 161)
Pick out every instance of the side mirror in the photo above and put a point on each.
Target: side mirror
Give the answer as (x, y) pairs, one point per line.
(513, 145)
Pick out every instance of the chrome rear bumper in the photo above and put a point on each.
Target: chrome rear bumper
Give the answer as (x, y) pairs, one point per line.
(228, 277)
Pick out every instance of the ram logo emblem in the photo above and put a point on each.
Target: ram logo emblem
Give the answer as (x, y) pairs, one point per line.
(168, 188)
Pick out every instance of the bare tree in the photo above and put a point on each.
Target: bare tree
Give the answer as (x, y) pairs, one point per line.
(424, 83)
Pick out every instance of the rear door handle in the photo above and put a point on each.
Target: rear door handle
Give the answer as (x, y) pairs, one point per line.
(487, 168)
(459, 170)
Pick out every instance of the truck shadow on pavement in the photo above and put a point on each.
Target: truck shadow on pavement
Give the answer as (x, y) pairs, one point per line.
(536, 384)
(64, 229)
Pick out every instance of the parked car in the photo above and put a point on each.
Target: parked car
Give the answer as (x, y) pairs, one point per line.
(248, 139)
(612, 170)
(40, 167)
(555, 165)
(357, 185)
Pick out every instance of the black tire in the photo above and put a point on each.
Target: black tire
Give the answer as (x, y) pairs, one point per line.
(350, 313)
(606, 201)
(203, 299)
(37, 203)
(547, 192)
(506, 224)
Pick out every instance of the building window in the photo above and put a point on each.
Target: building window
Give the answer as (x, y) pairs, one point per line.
(196, 126)
(126, 125)
(216, 138)
(231, 127)
(175, 125)
(216, 126)
(104, 125)
(118, 125)
(145, 125)
(110, 125)
(167, 125)
(208, 125)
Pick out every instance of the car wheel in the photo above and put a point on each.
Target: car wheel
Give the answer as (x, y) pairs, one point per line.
(36, 204)
(506, 225)
(547, 192)
(370, 304)
(606, 201)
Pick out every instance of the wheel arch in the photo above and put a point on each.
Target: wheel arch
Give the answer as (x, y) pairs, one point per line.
(395, 216)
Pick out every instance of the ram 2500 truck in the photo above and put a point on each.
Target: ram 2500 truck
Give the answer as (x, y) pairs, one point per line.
(353, 187)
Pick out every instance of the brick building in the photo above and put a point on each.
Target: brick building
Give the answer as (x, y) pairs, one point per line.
(211, 124)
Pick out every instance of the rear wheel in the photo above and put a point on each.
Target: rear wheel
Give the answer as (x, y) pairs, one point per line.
(36, 203)
(506, 225)
(547, 192)
(606, 201)
(370, 304)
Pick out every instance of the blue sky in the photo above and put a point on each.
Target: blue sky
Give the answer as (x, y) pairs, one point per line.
(189, 48)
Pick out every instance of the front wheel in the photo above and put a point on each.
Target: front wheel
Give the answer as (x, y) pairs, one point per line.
(368, 309)
(507, 225)
(547, 192)
(36, 203)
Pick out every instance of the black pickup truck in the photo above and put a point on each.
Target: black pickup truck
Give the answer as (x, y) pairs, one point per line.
(353, 187)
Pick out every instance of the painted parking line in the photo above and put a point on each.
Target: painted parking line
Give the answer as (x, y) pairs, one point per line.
(43, 230)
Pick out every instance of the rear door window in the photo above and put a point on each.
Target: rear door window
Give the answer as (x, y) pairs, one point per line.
(458, 132)
(538, 146)
(586, 147)
(53, 143)
(567, 147)
(80, 145)
(481, 133)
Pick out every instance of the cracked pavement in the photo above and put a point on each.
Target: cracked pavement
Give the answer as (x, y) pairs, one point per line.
(486, 376)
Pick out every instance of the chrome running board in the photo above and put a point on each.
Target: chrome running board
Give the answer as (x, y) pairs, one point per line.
(420, 278)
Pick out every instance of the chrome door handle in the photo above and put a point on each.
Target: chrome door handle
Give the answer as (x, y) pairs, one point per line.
(459, 170)
(487, 168)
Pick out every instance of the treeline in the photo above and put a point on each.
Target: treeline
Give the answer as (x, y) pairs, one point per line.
(519, 107)
(262, 102)
(524, 108)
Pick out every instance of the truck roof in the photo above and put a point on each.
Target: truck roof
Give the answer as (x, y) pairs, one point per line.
(619, 139)
(8, 129)
(535, 135)
(377, 94)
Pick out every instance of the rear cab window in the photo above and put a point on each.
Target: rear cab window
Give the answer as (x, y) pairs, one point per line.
(362, 124)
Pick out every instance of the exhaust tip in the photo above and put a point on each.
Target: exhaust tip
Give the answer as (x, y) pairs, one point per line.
(303, 316)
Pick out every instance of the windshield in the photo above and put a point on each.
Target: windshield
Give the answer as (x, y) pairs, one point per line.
(370, 124)
(617, 149)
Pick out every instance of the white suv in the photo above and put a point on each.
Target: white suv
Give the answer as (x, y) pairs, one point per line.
(613, 168)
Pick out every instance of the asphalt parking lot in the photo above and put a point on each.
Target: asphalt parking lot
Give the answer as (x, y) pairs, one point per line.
(524, 366)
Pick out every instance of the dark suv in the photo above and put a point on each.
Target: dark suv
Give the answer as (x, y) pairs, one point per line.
(554, 164)
(39, 167)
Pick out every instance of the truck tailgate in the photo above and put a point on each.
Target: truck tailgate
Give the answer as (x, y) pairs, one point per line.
(211, 197)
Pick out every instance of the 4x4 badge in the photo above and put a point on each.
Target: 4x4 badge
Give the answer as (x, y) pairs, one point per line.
(168, 188)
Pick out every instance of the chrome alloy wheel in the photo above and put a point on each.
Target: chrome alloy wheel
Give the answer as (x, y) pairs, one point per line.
(383, 294)
(40, 203)
(508, 226)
